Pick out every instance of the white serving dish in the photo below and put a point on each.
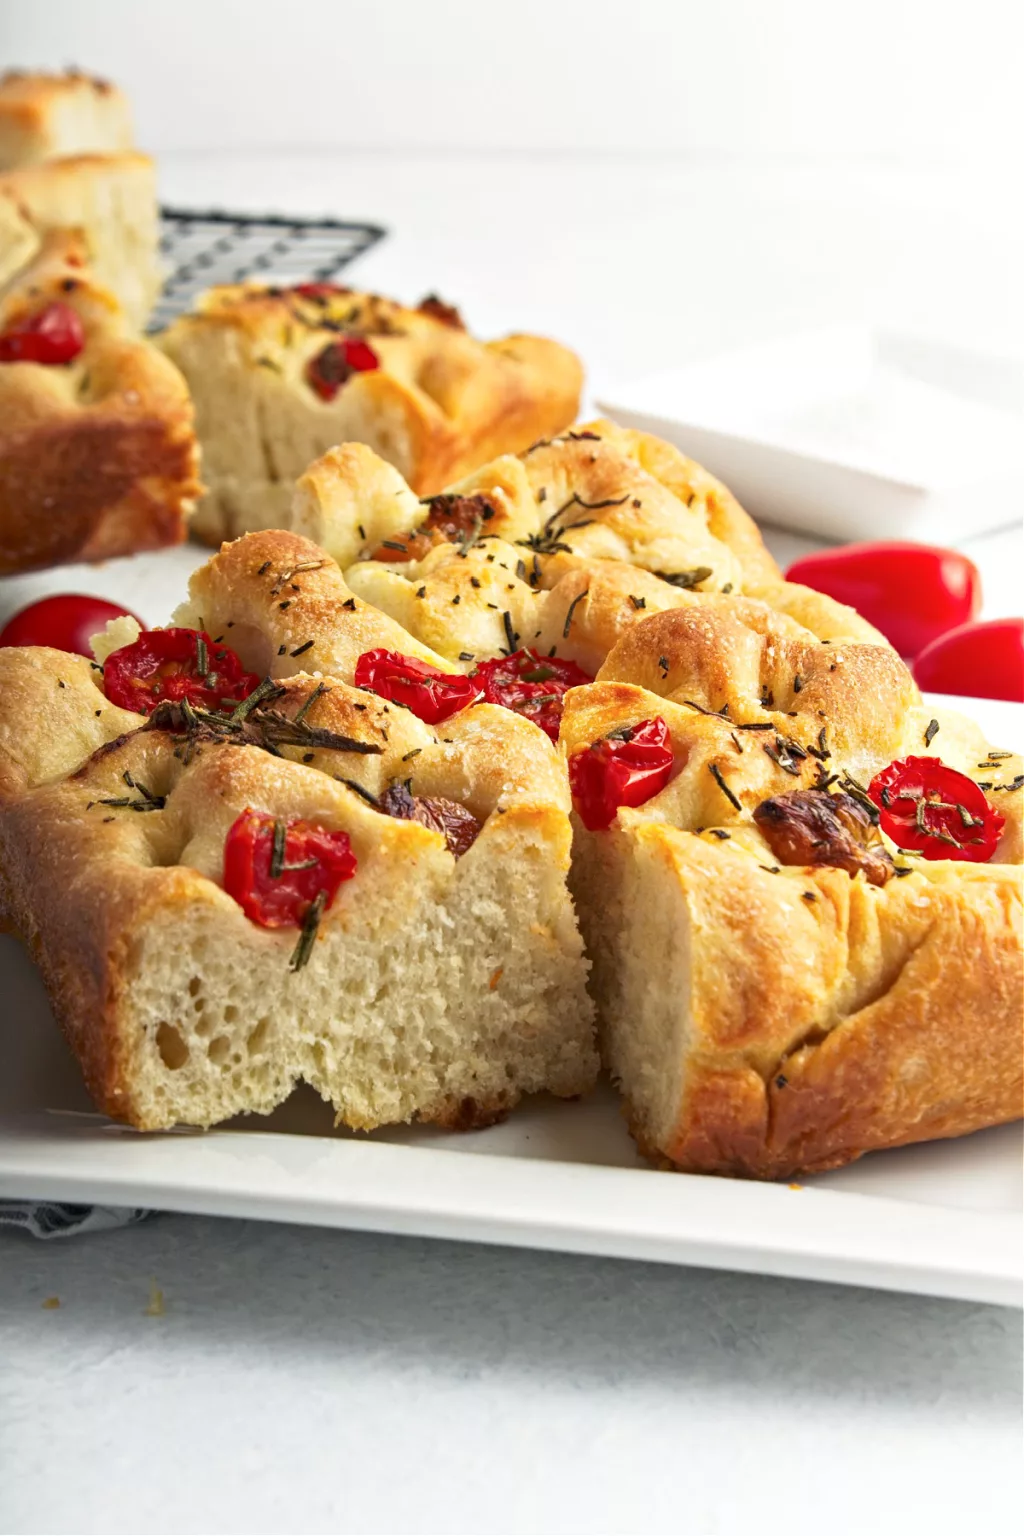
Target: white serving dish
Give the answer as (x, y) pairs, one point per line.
(943, 1219)
(849, 433)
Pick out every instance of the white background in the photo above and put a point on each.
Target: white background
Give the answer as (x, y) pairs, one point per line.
(915, 81)
(649, 182)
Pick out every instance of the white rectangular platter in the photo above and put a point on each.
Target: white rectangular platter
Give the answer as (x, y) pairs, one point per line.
(942, 1219)
(849, 433)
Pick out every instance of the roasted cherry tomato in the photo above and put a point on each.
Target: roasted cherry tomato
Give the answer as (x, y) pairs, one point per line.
(429, 693)
(176, 664)
(531, 685)
(319, 291)
(936, 811)
(67, 621)
(276, 870)
(626, 768)
(437, 309)
(985, 661)
(337, 362)
(911, 592)
(51, 335)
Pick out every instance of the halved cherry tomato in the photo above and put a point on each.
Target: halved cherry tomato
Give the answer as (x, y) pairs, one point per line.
(531, 685)
(319, 291)
(67, 621)
(431, 694)
(176, 664)
(626, 768)
(337, 362)
(911, 592)
(277, 869)
(51, 336)
(935, 810)
(985, 661)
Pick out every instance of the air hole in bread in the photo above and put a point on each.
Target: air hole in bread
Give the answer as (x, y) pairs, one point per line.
(172, 1048)
(218, 1049)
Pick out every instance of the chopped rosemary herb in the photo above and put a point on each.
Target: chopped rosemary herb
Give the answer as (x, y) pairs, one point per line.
(147, 801)
(258, 727)
(779, 754)
(931, 731)
(571, 614)
(277, 849)
(318, 693)
(510, 634)
(638, 602)
(716, 774)
(364, 794)
(307, 938)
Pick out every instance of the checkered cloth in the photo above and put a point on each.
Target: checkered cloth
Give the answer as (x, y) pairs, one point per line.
(48, 1218)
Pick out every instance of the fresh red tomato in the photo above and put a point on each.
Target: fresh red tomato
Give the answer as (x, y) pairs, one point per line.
(67, 621)
(176, 664)
(337, 362)
(531, 685)
(911, 592)
(626, 768)
(51, 335)
(431, 694)
(936, 811)
(278, 870)
(984, 661)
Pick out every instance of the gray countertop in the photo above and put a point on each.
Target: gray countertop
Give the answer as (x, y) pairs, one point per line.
(303, 1380)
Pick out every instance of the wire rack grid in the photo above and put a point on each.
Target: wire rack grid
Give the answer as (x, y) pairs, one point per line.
(203, 249)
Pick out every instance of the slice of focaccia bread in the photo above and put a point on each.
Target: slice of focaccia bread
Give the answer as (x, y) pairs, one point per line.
(804, 922)
(112, 200)
(233, 885)
(45, 115)
(279, 375)
(97, 453)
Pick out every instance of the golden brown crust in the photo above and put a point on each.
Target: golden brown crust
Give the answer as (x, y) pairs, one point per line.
(42, 115)
(111, 201)
(787, 1074)
(803, 1016)
(97, 457)
(102, 895)
(440, 402)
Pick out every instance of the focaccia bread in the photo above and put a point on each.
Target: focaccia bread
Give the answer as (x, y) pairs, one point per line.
(779, 988)
(564, 547)
(46, 115)
(19, 241)
(97, 453)
(279, 375)
(445, 978)
(112, 200)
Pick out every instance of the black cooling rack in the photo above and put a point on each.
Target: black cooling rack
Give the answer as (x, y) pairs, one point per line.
(201, 249)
